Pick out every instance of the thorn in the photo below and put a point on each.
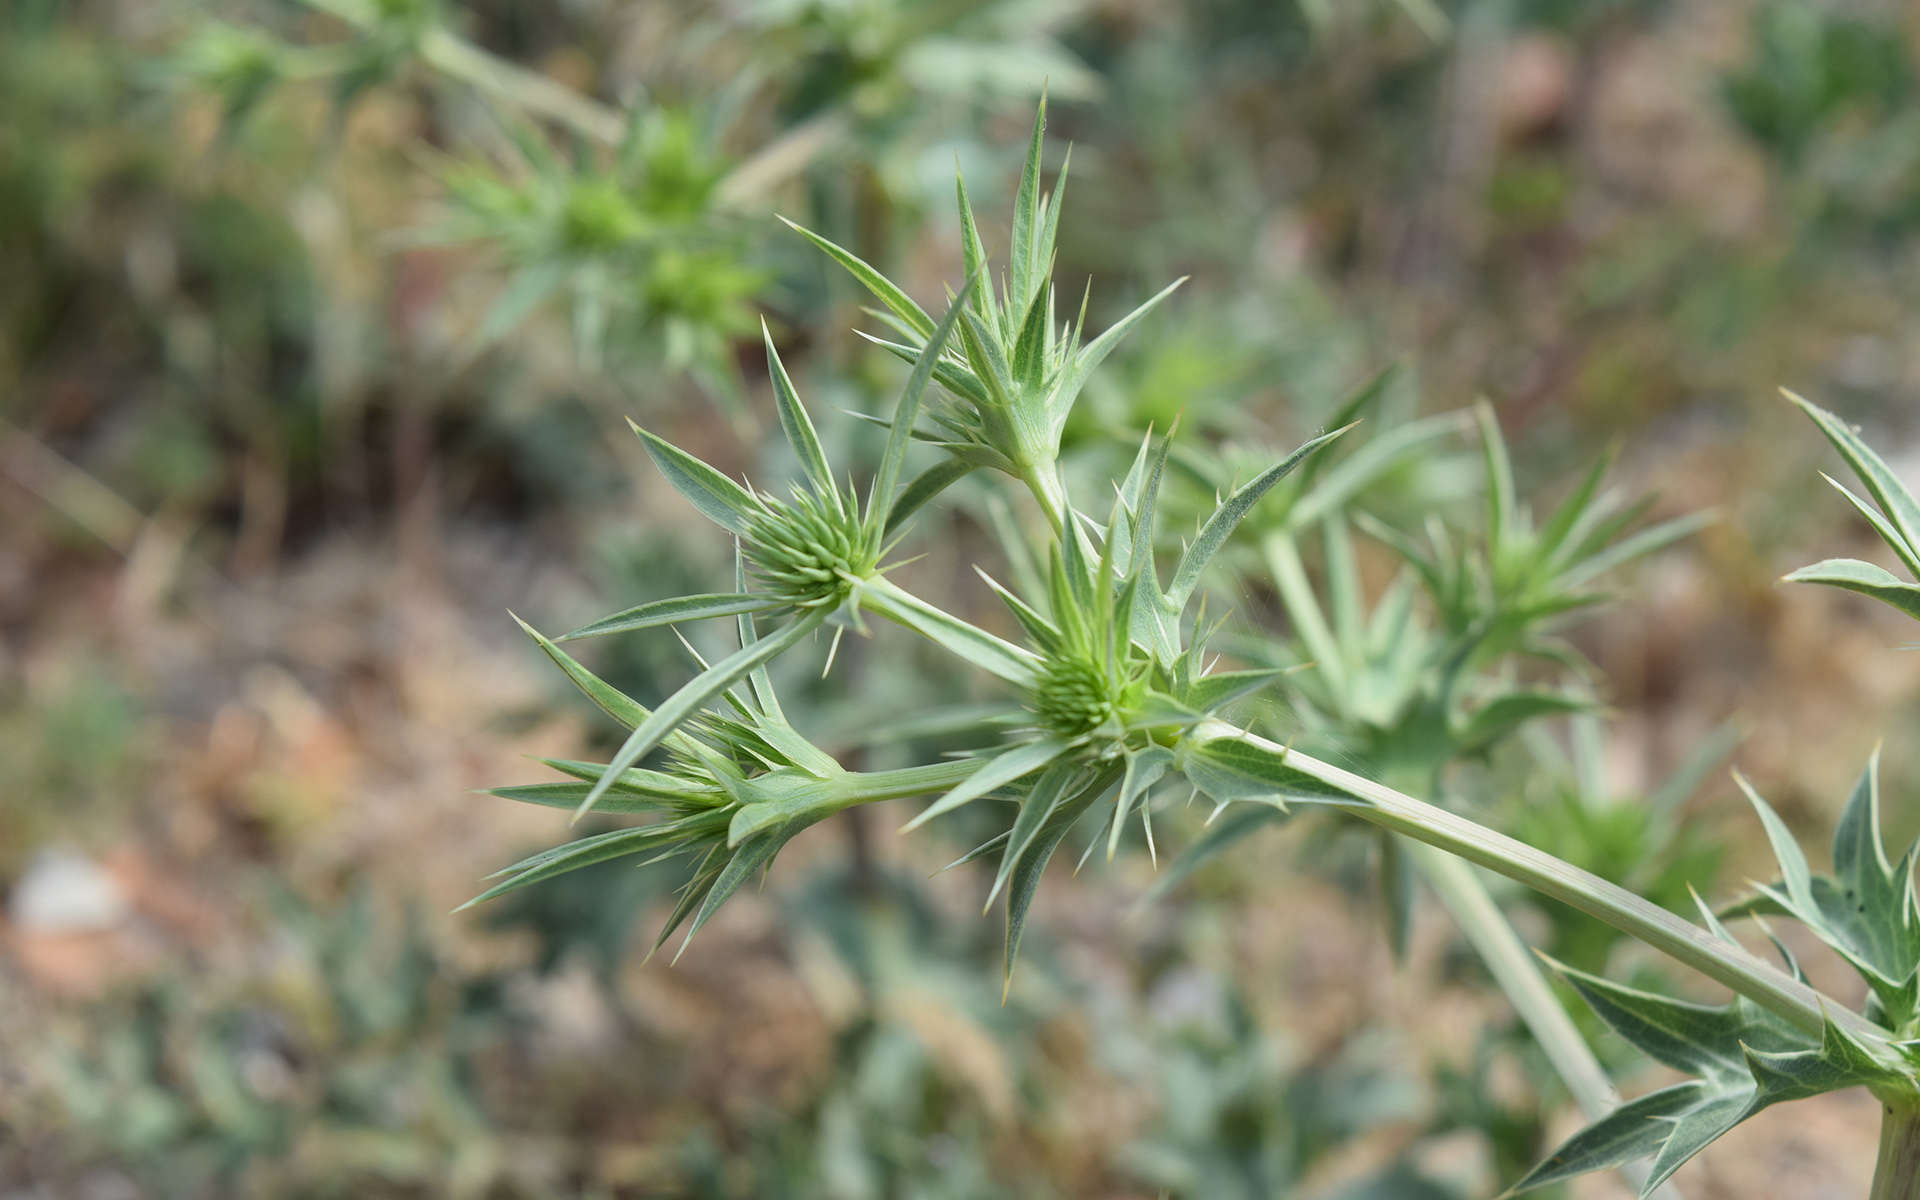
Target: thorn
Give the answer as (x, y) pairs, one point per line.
(833, 650)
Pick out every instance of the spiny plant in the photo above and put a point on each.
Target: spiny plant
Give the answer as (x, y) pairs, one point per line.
(1114, 700)
(634, 246)
(1742, 1056)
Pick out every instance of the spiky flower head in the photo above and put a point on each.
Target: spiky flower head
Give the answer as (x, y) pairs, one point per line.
(809, 551)
(1073, 699)
(1015, 368)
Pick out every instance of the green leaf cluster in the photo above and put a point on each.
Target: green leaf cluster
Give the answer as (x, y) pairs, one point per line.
(1743, 1059)
(1894, 514)
(1012, 375)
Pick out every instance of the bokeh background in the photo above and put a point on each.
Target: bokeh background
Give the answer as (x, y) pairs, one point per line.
(318, 325)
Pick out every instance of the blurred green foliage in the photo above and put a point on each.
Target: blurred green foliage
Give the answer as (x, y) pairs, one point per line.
(269, 265)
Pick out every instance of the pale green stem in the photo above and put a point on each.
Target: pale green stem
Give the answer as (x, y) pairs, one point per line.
(1517, 971)
(1015, 664)
(538, 94)
(866, 787)
(1896, 1176)
(780, 159)
(1044, 483)
(1719, 960)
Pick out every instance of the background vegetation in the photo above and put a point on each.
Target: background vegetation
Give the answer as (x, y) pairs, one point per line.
(318, 327)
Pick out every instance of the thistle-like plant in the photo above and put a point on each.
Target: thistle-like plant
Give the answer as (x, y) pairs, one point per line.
(1013, 374)
(1743, 1057)
(1114, 693)
(634, 245)
(816, 554)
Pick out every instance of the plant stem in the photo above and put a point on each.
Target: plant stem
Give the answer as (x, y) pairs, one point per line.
(864, 787)
(1517, 972)
(1514, 968)
(1719, 960)
(1049, 493)
(996, 655)
(1896, 1176)
(460, 59)
(786, 155)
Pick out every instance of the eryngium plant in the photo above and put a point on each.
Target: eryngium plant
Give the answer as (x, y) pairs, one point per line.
(1113, 693)
(1742, 1057)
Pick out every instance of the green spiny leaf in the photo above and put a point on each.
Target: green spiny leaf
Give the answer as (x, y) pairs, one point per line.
(1143, 769)
(924, 487)
(1218, 527)
(1695, 1038)
(798, 426)
(908, 411)
(1026, 203)
(1902, 510)
(1025, 880)
(971, 644)
(718, 498)
(1865, 578)
(882, 288)
(567, 795)
(1230, 768)
(615, 703)
(674, 611)
(1888, 534)
(1049, 792)
(1633, 1131)
(997, 772)
(691, 698)
(1095, 352)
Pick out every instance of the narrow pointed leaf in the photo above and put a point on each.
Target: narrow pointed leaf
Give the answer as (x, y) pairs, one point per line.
(1052, 789)
(1902, 510)
(1695, 1038)
(1025, 881)
(924, 487)
(718, 498)
(690, 699)
(795, 422)
(1212, 692)
(740, 867)
(1865, 578)
(1909, 554)
(576, 854)
(1029, 349)
(611, 700)
(1095, 352)
(908, 411)
(1786, 851)
(1144, 769)
(883, 289)
(1633, 1131)
(974, 645)
(674, 611)
(1218, 527)
(997, 772)
(1026, 203)
(1639, 545)
(568, 795)
(973, 253)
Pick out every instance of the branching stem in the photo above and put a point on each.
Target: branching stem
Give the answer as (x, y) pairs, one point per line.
(1896, 1176)
(1719, 960)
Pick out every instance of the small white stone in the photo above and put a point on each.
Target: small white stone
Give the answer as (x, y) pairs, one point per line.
(64, 892)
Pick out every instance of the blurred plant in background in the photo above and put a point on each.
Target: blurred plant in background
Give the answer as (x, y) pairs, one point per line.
(318, 318)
